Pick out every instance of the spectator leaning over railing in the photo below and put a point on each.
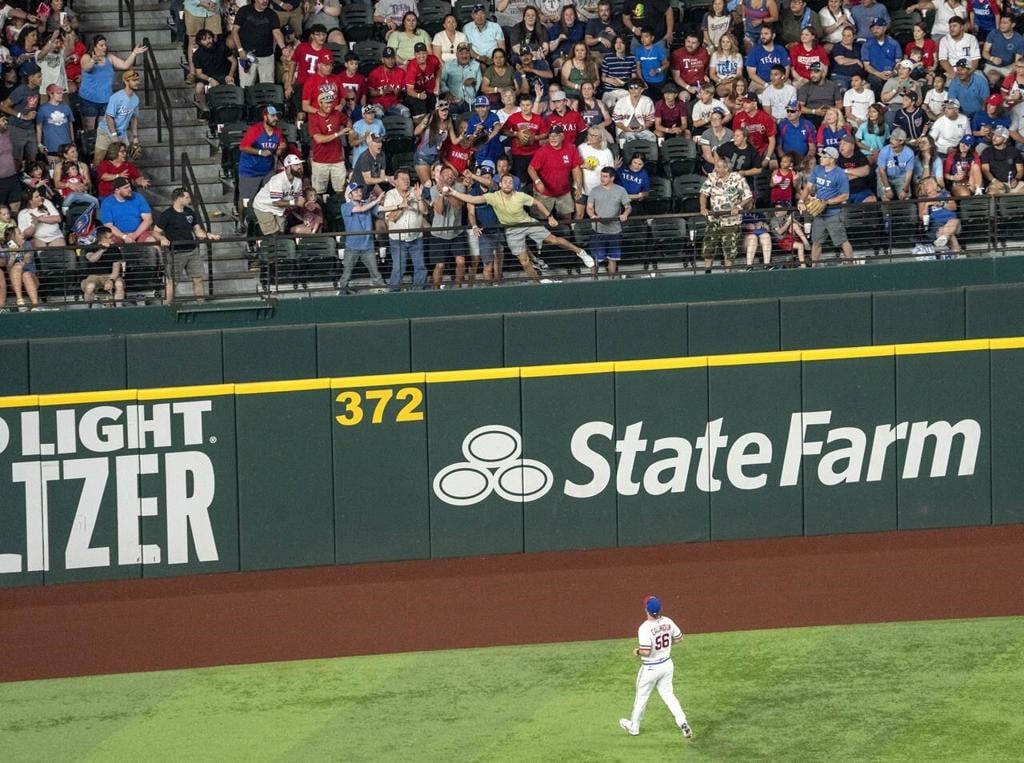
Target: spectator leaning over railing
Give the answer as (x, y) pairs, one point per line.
(282, 192)
(179, 227)
(127, 214)
(510, 208)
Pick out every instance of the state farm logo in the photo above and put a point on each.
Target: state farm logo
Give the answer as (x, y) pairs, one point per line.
(492, 465)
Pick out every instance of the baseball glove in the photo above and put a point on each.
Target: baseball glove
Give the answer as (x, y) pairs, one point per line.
(814, 206)
(135, 152)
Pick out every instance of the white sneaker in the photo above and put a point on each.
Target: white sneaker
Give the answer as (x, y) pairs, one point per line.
(628, 727)
(585, 258)
(940, 242)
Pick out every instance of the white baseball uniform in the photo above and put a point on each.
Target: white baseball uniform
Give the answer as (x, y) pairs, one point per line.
(656, 671)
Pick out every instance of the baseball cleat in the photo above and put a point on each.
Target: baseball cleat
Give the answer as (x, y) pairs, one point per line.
(687, 731)
(628, 727)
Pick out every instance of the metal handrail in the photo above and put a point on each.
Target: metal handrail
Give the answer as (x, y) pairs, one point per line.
(128, 6)
(191, 184)
(155, 89)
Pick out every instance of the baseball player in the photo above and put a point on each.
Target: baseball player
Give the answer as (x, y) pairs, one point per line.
(656, 635)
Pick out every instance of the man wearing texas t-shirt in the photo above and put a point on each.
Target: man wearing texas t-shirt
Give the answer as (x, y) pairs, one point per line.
(556, 172)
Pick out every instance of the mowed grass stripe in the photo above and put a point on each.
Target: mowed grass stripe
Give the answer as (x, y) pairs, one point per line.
(910, 691)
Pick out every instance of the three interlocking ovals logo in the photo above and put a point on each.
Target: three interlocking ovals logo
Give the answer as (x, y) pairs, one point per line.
(493, 465)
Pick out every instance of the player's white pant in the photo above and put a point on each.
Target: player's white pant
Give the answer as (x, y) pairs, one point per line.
(649, 678)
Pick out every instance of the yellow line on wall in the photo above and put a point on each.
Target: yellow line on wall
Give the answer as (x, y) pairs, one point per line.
(524, 372)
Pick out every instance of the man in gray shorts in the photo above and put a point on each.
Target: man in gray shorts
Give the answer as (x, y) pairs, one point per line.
(510, 208)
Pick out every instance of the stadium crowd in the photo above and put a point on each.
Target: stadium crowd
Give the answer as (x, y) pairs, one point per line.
(436, 125)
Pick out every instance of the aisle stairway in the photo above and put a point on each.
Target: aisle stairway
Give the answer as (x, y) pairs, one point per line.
(191, 135)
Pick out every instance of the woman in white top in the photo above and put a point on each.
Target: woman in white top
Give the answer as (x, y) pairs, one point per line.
(834, 18)
(595, 155)
(726, 64)
(39, 221)
(716, 22)
(446, 42)
(944, 11)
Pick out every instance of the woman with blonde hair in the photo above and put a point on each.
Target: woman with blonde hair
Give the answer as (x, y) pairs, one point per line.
(726, 64)
(833, 128)
(595, 155)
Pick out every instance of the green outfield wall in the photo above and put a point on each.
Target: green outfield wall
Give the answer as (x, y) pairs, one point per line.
(152, 481)
(893, 279)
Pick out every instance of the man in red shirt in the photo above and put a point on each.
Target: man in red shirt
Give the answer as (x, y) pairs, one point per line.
(527, 130)
(305, 56)
(570, 121)
(321, 82)
(759, 125)
(556, 172)
(351, 80)
(689, 65)
(387, 84)
(422, 83)
(328, 129)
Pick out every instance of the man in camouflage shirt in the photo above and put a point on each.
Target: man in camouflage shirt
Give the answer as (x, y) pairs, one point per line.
(724, 195)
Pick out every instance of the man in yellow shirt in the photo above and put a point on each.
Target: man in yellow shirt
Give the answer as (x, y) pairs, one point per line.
(510, 208)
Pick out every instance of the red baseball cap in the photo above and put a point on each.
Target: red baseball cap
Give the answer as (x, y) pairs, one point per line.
(993, 100)
(55, 88)
(325, 57)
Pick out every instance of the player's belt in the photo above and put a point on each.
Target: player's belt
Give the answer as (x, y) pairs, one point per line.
(647, 664)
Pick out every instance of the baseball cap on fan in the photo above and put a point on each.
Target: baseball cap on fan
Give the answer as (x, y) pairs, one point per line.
(291, 160)
(653, 605)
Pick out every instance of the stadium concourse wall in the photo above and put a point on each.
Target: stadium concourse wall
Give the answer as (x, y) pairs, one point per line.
(158, 481)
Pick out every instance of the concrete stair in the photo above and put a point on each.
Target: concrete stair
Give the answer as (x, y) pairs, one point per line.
(191, 134)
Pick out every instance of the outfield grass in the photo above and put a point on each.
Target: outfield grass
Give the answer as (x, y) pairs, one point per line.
(912, 691)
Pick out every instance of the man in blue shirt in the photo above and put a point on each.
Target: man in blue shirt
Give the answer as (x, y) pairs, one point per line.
(461, 78)
(1002, 47)
(880, 55)
(653, 60)
(988, 119)
(865, 14)
(485, 233)
(122, 116)
(485, 127)
(763, 57)
(127, 214)
(358, 222)
(830, 184)
(895, 168)
(796, 133)
(970, 87)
